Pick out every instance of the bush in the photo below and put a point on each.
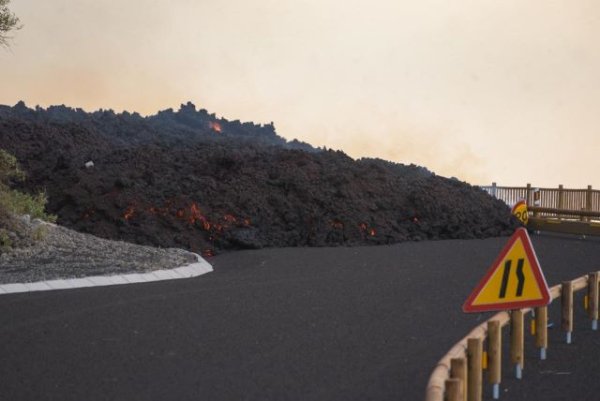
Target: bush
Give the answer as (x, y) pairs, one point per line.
(9, 169)
(14, 232)
(16, 202)
(19, 203)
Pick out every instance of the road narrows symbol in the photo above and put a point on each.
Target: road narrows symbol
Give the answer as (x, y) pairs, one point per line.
(521, 277)
(505, 277)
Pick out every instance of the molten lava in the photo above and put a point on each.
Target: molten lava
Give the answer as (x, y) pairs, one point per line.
(128, 214)
(195, 214)
(215, 126)
(337, 224)
(208, 253)
(366, 229)
(192, 215)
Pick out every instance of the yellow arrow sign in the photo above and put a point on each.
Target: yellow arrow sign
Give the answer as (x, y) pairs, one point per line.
(515, 280)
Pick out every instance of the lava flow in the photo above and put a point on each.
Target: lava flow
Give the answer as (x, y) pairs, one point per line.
(337, 224)
(215, 126)
(128, 214)
(365, 229)
(191, 214)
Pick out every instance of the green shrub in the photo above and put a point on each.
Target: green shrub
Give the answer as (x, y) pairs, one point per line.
(14, 231)
(9, 168)
(15, 202)
(19, 203)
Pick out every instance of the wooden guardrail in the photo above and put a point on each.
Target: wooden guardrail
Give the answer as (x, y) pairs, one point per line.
(458, 375)
(585, 199)
(574, 211)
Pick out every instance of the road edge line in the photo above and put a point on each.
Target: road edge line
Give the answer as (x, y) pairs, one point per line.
(187, 271)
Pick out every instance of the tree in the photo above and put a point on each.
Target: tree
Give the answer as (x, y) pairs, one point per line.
(8, 22)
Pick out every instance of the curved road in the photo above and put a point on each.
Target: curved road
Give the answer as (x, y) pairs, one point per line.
(278, 324)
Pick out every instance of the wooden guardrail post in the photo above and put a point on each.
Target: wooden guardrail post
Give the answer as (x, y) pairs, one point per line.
(561, 200)
(458, 370)
(449, 365)
(541, 330)
(593, 300)
(528, 195)
(588, 200)
(475, 375)
(454, 390)
(566, 300)
(517, 341)
(494, 344)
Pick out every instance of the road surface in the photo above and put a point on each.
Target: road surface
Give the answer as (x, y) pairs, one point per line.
(318, 324)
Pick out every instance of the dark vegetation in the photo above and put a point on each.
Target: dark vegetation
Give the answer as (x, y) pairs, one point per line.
(191, 180)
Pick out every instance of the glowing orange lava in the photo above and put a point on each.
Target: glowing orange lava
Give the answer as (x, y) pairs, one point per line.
(128, 214)
(337, 224)
(215, 126)
(190, 214)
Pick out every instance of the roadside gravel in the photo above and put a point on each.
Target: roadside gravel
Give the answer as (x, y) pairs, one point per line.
(64, 253)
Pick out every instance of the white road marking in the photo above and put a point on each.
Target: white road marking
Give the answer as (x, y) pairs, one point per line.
(193, 270)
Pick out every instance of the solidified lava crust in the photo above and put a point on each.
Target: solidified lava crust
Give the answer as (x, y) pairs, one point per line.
(188, 179)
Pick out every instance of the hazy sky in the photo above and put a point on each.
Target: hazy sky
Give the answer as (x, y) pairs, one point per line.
(484, 90)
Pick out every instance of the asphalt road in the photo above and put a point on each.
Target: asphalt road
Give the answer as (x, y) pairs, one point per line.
(278, 324)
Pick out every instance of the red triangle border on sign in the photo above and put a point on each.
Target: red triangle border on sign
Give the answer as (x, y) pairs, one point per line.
(520, 233)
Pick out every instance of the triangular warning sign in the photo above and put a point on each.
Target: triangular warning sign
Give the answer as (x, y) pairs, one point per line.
(515, 280)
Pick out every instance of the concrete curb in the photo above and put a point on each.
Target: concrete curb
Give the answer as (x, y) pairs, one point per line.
(192, 270)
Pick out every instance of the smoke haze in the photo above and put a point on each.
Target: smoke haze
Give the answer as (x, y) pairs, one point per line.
(481, 90)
